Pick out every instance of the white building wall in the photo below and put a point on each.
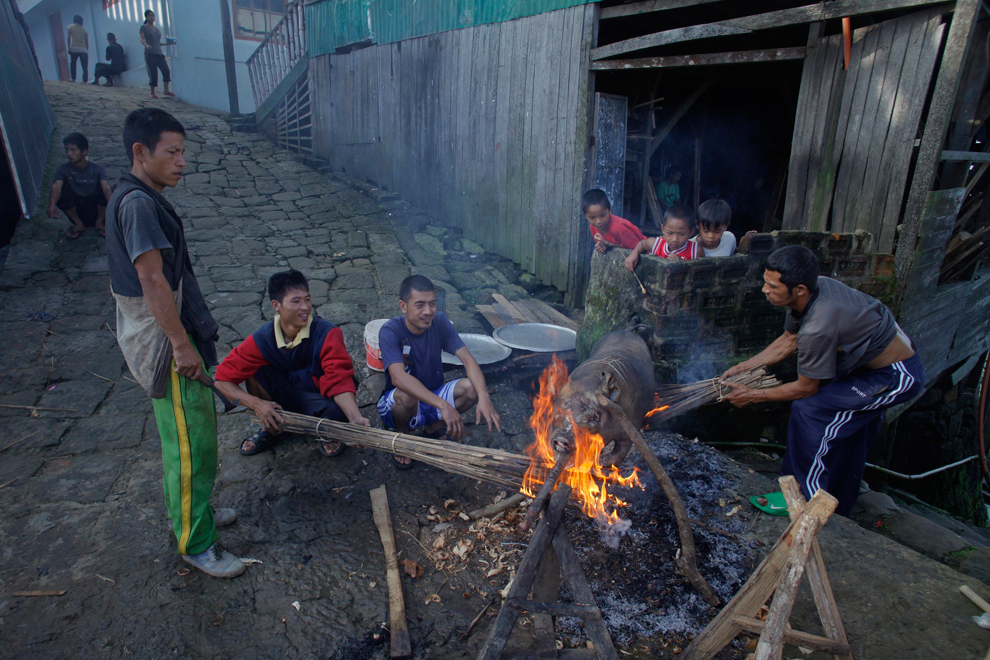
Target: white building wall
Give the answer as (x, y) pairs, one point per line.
(196, 60)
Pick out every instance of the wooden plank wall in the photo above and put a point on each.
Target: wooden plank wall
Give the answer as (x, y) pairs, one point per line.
(482, 127)
(951, 322)
(855, 130)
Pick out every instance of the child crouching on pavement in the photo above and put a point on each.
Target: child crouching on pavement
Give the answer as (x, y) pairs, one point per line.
(607, 229)
(714, 217)
(675, 243)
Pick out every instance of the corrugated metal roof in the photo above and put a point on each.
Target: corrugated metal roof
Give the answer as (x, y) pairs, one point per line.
(331, 24)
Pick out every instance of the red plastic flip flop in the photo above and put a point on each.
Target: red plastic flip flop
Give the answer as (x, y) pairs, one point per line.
(154, 96)
(169, 94)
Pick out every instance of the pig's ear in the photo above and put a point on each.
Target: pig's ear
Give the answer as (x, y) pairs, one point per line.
(609, 386)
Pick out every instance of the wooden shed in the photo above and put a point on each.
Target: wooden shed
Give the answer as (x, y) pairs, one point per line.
(835, 116)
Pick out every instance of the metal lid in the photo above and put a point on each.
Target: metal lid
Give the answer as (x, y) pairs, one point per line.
(483, 348)
(537, 337)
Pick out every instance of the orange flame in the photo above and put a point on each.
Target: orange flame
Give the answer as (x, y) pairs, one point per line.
(657, 410)
(585, 475)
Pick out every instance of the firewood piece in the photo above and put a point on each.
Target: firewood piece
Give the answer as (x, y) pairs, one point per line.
(498, 507)
(476, 619)
(522, 583)
(400, 645)
(687, 563)
(52, 592)
(771, 644)
(561, 459)
(821, 588)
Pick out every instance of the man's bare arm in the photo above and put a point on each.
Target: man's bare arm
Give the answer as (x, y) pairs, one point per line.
(802, 388)
(53, 197)
(348, 405)
(781, 348)
(107, 191)
(413, 387)
(485, 407)
(158, 296)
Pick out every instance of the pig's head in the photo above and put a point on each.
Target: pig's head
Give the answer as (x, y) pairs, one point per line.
(576, 405)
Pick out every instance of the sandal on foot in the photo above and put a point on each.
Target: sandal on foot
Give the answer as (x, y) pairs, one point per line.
(322, 446)
(262, 440)
(154, 96)
(772, 503)
(401, 466)
(72, 233)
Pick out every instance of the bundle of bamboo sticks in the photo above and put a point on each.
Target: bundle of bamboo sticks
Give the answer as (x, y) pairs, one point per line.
(673, 400)
(493, 465)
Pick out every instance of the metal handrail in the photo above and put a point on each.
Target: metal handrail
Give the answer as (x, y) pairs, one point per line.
(278, 53)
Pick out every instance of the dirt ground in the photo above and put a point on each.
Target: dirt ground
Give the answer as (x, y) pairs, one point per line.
(81, 488)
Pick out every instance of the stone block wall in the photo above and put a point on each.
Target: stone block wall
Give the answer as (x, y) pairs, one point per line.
(705, 315)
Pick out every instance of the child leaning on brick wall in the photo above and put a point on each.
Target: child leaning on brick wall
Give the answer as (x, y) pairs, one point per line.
(678, 228)
(607, 229)
(714, 216)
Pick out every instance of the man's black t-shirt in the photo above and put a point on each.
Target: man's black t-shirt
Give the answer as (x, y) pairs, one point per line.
(83, 182)
(115, 56)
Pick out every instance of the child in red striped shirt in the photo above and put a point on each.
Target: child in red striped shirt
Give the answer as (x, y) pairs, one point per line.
(675, 243)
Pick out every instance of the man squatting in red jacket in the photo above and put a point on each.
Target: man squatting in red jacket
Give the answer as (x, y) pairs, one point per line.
(297, 362)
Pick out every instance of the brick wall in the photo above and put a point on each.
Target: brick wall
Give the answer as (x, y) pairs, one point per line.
(704, 315)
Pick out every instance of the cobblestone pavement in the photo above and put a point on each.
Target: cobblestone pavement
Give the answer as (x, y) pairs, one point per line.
(81, 490)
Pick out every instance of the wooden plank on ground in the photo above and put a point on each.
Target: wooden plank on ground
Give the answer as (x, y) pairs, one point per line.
(748, 24)
(703, 59)
(400, 646)
(491, 316)
(503, 302)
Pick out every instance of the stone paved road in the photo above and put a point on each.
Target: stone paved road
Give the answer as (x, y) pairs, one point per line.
(81, 491)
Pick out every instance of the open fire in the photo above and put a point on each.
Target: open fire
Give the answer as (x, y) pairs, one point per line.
(587, 477)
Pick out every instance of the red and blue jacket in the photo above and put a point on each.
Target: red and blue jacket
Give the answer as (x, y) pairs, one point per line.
(319, 363)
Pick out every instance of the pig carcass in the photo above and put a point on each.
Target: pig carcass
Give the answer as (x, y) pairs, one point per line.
(620, 367)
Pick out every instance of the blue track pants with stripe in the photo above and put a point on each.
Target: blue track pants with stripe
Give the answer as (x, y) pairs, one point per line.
(831, 432)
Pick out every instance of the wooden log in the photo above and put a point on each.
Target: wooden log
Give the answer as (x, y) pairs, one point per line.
(522, 583)
(561, 459)
(771, 644)
(594, 626)
(747, 24)
(965, 156)
(687, 562)
(544, 606)
(821, 588)
(400, 645)
(498, 507)
(704, 59)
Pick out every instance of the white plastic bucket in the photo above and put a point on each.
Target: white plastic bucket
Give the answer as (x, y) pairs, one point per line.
(371, 349)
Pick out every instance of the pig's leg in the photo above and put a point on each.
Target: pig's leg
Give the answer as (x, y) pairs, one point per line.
(623, 443)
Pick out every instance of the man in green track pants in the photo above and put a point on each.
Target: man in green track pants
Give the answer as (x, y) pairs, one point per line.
(167, 334)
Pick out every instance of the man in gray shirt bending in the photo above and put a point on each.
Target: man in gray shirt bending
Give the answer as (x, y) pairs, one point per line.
(843, 336)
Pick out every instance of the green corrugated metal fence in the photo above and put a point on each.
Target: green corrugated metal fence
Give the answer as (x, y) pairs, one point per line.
(331, 24)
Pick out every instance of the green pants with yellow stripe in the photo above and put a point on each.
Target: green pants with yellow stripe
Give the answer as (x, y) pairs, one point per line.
(187, 423)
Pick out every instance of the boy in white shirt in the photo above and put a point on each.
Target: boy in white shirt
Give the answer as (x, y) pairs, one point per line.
(714, 216)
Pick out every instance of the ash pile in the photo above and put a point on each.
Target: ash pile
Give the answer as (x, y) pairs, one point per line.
(646, 604)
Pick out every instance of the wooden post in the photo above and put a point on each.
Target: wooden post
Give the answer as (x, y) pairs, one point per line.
(936, 127)
(228, 57)
(400, 645)
(546, 590)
